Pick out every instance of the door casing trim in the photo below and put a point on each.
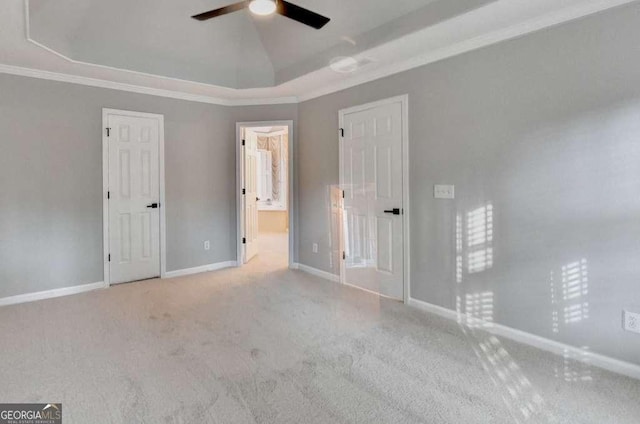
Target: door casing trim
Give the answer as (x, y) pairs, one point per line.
(105, 187)
(291, 197)
(404, 102)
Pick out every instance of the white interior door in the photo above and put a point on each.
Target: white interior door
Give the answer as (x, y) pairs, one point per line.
(372, 181)
(250, 153)
(134, 195)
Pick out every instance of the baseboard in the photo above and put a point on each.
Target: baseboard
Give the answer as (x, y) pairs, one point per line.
(200, 269)
(334, 278)
(318, 273)
(375, 293)
(595, 359)
(49, 294)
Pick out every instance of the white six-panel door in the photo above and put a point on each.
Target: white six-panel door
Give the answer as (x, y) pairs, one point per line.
(372, 179)
(250, 153)
(134, 197)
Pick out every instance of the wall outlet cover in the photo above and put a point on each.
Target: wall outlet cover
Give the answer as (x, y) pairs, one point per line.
(315, 247)
(632, 322)
(207, 245)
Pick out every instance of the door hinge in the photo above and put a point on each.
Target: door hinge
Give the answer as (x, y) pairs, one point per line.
(342, 132)
(244, 240)
(109, 259)
(344, 256)
(244, 191)
(108, 195)
(243, 142)
(343, 194)
(108, 131)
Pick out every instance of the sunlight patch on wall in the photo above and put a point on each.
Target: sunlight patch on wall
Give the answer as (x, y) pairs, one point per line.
(479, 309)
(569, 296)
(479, 239)
(569, 299)
(459, 266)
(575, 287)
(474, 242)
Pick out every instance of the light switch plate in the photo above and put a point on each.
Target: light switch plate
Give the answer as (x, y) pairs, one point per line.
(441, 191)
(315, 247)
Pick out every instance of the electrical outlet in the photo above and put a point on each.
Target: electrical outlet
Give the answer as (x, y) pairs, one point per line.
(315, 247)
(207, 245)
(632, 322)
(444, 191)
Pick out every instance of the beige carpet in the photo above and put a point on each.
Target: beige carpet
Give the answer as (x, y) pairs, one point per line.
(264, 344)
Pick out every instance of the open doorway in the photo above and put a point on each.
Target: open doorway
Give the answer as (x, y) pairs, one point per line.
(264, 169)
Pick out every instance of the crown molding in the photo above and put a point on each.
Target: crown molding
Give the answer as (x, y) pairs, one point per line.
(576, 11)
(100, 83)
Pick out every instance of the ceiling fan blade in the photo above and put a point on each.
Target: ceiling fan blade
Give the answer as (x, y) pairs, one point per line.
(301, 14)
(221, 11)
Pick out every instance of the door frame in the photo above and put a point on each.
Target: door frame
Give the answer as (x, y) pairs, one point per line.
(291, 198)
(404, 102)
(105, 188)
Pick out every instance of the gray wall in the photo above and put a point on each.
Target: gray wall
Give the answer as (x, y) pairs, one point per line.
(51, 180)
(546, 129)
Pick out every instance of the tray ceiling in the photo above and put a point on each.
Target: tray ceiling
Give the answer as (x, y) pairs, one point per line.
(239, 50)
(153, 47)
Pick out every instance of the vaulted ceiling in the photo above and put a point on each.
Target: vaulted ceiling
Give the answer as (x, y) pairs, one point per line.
(239, 50)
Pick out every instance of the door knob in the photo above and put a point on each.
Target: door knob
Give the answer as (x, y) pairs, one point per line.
(395, 211)
(154, 205)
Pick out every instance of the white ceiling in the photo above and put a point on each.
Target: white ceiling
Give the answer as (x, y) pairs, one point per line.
(238, 50)
(149, 46)
(156, 37)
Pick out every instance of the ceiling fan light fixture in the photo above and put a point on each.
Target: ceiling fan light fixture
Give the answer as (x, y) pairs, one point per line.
(262, 7)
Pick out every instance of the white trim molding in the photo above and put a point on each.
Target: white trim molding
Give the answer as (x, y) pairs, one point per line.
(50, 294)
(372, 292)
(316, 272)
(558, 348)
(139, 89)
(200, 269)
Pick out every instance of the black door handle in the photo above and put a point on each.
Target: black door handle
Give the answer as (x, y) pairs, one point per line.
(153, 206)
(395, 211)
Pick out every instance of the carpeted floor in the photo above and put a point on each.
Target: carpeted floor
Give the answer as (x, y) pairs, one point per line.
(263, 344)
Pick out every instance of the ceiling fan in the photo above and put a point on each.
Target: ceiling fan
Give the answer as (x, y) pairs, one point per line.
(268, 7)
